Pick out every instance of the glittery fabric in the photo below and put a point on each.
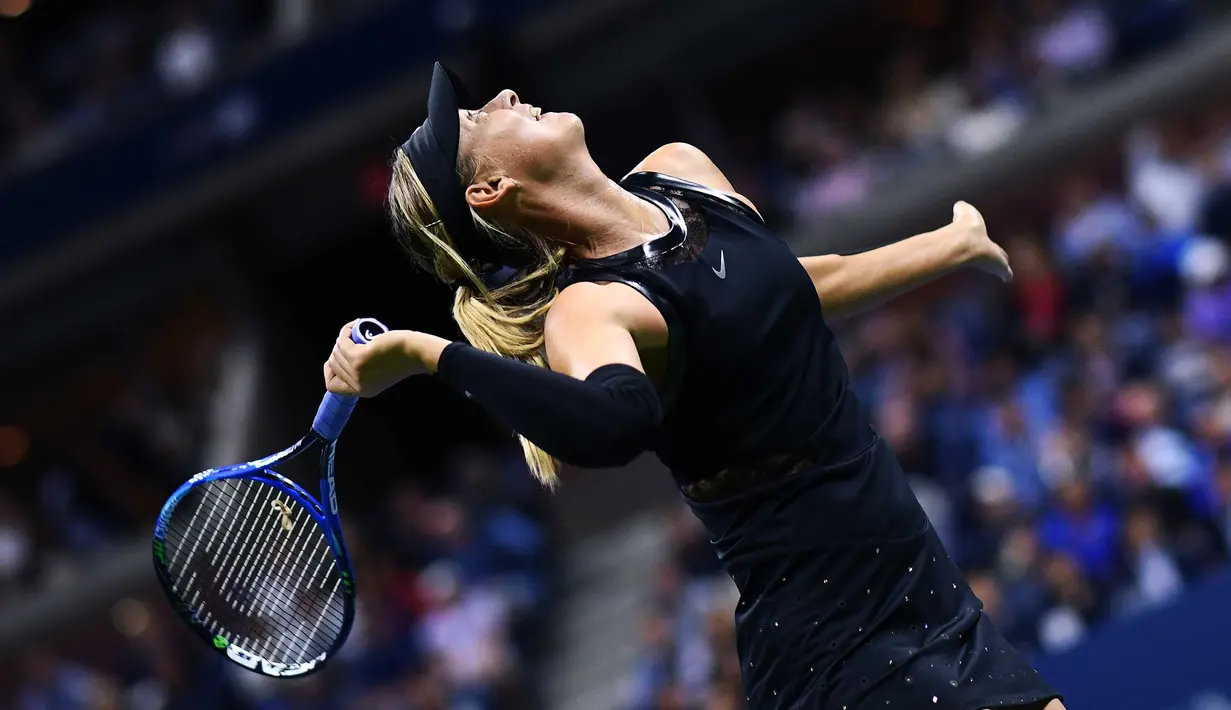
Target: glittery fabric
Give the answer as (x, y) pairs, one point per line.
(847, 597)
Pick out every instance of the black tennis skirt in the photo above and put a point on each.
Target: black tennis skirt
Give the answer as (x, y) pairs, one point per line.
(848, 598)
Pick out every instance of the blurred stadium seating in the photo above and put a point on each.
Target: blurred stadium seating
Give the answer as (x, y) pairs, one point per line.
(179, 179)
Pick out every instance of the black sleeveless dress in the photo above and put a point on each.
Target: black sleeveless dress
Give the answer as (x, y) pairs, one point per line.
(847, 597)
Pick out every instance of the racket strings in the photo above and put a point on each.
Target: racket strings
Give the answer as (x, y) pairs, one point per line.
(256, 568)
(259, 585)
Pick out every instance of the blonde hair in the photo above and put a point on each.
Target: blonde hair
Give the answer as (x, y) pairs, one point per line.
(508, 320)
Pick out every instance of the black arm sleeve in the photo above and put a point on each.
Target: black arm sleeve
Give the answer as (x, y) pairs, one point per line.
(606, 420)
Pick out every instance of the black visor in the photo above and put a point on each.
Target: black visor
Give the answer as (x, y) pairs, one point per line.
(432, 150)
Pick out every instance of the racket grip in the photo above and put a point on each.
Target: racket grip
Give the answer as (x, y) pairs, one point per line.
(336, 409)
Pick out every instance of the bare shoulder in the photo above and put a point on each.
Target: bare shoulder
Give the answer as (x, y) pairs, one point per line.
(579, 302)
(688, 162)
(594, 324)
(588, 304)
(684, 160)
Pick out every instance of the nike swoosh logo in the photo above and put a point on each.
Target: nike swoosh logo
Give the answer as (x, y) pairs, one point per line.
(721, 271)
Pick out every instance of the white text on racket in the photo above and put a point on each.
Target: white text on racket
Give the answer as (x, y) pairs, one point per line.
(271, 668)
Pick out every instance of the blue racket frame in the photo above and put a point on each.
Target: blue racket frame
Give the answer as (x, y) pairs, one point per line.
(331, 418)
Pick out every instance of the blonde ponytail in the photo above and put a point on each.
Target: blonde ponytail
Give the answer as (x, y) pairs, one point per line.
(507, 321)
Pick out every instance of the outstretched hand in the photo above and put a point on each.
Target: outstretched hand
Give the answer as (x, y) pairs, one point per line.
(983, 254)
(367, 370)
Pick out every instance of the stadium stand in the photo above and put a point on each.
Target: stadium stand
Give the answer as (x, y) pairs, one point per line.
(1068, 437)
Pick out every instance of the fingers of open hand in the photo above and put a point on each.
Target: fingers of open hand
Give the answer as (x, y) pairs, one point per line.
(1008, 268)
(996, 262)
(964, 213)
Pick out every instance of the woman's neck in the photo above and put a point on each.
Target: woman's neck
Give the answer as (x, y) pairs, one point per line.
(592, 215)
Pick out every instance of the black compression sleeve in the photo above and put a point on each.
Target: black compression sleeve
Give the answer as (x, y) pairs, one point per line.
(606, 420)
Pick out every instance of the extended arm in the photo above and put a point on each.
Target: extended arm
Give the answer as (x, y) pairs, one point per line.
(850, 284)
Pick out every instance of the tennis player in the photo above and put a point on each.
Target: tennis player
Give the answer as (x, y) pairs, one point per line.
(658, 313)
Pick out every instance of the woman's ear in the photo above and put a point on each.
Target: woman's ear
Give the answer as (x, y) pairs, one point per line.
(491, 193)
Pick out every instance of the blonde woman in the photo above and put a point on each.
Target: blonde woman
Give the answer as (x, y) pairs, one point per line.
(659, 313)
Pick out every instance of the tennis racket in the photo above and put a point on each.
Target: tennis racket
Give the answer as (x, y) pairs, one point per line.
(253, 563)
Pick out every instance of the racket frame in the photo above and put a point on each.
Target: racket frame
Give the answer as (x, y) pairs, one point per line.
(331, 417)
(327, 518)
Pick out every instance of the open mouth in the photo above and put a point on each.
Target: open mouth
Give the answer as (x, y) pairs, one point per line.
(536, 113)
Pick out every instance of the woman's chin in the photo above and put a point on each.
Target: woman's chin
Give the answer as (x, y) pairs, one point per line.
(573, 121)
(561, 117)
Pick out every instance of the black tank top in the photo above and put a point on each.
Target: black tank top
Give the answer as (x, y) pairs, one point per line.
(752, 368)
(847, 597)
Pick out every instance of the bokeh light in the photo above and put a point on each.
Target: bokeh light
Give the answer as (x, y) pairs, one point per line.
(13, 8)
(131, 617)
(14, 445)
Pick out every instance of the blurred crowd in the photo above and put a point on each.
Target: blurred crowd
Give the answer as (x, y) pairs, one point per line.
(958, 92)
(454, 578)
(1069, 435)
(90, 439)
(78, 73)
(457, 595)
(72, 73)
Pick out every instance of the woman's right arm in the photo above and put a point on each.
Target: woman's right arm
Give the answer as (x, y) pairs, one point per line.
(595, 408)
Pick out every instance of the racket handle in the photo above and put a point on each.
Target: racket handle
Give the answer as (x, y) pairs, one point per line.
(336, 409)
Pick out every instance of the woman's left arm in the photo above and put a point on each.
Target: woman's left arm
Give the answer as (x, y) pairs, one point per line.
(848, 285)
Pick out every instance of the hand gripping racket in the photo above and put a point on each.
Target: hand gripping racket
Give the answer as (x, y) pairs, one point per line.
(254, 564)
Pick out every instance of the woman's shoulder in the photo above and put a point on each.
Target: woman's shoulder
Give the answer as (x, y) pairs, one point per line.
(598, 301)
(611, 302)
(589, 315)
(685, 161)
(688, 165)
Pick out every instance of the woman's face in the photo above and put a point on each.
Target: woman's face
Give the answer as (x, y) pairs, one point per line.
(516, 142)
